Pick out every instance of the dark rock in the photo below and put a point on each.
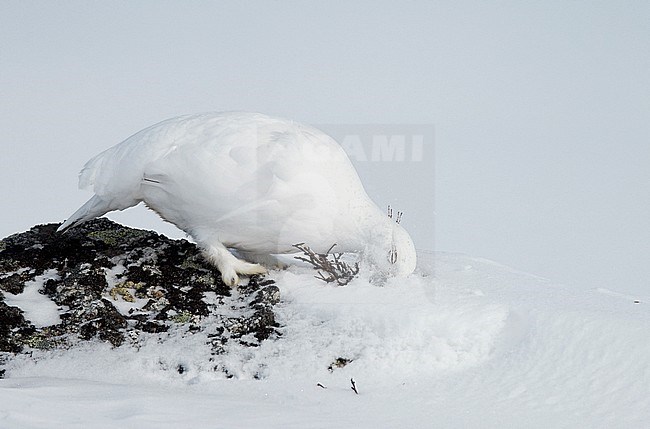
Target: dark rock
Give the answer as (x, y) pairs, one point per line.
(13, 328)
(269, 295)
(339, 362)
(100, 319)
(113, 283)
(15, 283)
(152, 326)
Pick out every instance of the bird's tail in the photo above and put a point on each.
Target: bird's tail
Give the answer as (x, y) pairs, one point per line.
(93, 208)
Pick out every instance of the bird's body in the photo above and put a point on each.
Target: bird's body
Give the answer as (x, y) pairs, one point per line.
(244, 181)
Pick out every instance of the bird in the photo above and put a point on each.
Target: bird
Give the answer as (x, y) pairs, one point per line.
(246, 187)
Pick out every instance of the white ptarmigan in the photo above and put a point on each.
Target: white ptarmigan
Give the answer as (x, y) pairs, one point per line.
(249, 182)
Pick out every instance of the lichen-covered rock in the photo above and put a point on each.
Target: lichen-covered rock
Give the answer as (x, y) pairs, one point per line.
(114, 283)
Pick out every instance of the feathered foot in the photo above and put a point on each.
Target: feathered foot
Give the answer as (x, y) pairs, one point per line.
(228, 265)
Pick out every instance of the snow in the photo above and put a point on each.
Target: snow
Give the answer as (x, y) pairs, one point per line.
(38, 308)
(462, 343)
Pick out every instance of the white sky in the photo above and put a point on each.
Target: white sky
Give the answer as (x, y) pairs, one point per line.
(541, 111)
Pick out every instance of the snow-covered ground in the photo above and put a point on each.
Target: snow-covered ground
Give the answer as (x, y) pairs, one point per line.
(465, 343)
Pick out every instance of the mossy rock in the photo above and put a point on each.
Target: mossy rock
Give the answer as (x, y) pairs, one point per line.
(112, 283)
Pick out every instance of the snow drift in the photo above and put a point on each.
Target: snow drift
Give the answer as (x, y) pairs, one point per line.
(462, 343)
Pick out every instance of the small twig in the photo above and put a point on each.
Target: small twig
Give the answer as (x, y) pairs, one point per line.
(398, 219)
(321, 386)
(337, 270)
(354, 386)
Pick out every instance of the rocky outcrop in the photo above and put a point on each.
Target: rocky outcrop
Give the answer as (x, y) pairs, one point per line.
(108, 282)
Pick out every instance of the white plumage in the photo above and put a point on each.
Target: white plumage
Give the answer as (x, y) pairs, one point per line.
(249, 182)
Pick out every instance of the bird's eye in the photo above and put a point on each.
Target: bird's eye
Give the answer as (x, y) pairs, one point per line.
(392, 255)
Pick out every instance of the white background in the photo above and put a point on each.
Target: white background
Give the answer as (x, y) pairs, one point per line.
(541, 112)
